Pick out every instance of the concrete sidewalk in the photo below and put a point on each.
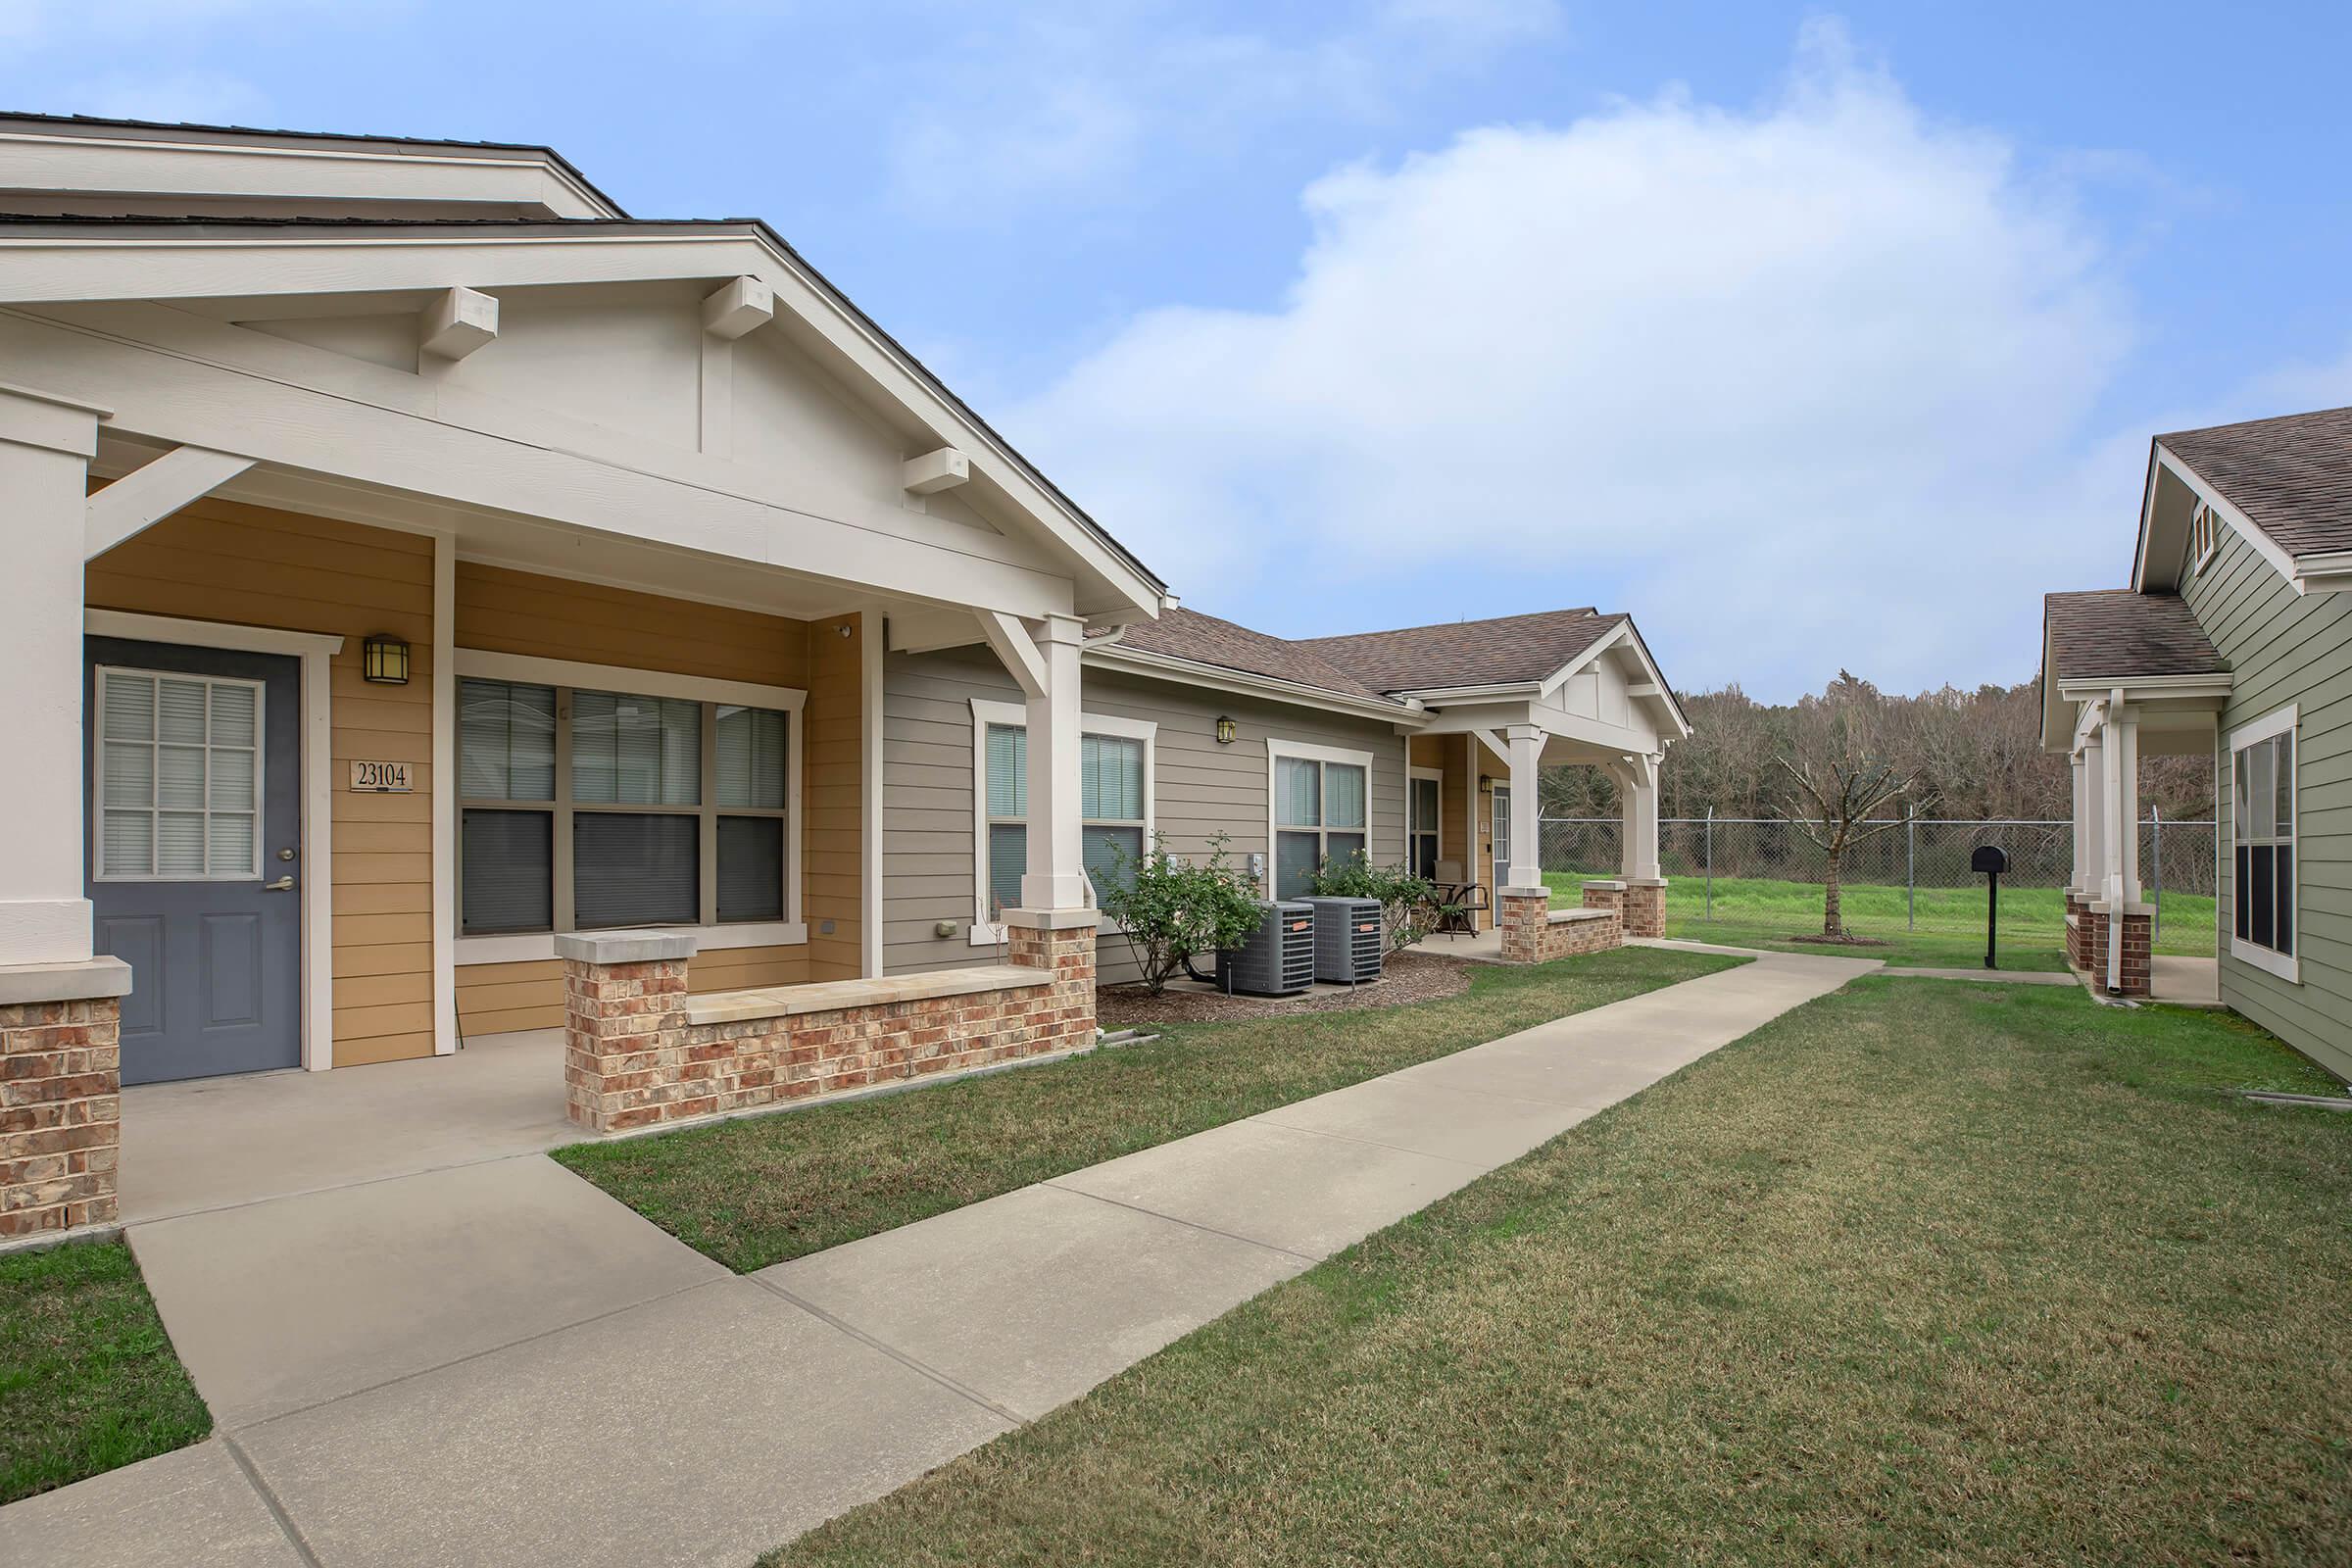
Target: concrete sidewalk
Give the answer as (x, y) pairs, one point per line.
(556, 1380)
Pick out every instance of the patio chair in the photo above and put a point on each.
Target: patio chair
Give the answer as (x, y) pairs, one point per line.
(1460, 902)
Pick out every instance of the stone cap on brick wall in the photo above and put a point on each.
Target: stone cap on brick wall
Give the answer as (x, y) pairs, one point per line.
(1053, 919)
(834, 996)
(1564, 916)
(78, 981)
(1605, 885)
(625, 947)
(1523, 893)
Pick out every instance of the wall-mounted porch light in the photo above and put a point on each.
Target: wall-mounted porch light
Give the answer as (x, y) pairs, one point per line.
(1227, 729)
(1486, 785)
(384, 659)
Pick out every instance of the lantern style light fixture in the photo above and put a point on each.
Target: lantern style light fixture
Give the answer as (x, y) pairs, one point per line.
(1227, 729)
(1486, 785)
(384, 659)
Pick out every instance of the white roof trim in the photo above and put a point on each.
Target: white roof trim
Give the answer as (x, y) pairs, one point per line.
(2286, 565)
(1107, 655)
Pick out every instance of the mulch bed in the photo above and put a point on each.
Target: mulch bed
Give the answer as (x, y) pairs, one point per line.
(1408, 977)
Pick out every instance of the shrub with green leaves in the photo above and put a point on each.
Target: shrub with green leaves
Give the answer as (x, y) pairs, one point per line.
(1170, 909)
(1408, 904)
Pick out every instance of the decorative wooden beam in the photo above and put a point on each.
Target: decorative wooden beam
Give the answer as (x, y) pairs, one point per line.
(934, 471)
(152, 492)
(737, 308)
(1017, 649)
(459, 321)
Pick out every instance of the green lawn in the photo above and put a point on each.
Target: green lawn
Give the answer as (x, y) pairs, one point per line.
(755, 1192)
(87, 1378)
(1752, 912)
(1923, 1272)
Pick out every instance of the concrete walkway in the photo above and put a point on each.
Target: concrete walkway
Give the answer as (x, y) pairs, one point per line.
(492, 1362)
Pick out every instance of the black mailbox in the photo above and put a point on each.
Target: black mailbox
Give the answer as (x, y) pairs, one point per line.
(1993, 860)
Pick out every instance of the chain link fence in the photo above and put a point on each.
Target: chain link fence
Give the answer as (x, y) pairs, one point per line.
(1919, 853)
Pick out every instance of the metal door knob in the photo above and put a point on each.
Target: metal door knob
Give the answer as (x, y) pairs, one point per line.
(285, 884)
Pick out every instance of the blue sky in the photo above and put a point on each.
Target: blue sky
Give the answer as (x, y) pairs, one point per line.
(1815, 338)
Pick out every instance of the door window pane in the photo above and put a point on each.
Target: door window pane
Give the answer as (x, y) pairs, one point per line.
(506, 872)
(751, 868)
(632, 869)
(180, 757)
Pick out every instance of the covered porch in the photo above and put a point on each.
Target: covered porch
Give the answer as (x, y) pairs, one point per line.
(2126, 676)
(368, 649)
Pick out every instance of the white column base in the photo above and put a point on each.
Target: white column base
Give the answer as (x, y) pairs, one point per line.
(44, 931)
(1062, 892)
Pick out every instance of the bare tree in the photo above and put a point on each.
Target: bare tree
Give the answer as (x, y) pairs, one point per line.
(1846, 780)
(1844, 795)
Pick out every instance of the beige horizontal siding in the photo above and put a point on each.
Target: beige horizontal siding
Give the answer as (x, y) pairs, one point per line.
(223, 561)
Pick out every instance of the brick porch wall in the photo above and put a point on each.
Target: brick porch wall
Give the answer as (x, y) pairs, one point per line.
(633, 1059)
(60, 1114)
(1532, 932)
(1643, 906)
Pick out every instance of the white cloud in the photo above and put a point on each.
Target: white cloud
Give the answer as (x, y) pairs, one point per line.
(1800, 387)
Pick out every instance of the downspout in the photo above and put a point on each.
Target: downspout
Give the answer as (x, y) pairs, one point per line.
(2111, 764)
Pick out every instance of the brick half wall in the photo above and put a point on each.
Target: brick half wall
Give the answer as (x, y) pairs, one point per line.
(640, 1052)
(1534, 932)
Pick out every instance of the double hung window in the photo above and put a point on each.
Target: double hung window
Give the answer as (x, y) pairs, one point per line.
(584, 809)
(2262, 814)
(1114, 784)
(1319, 811)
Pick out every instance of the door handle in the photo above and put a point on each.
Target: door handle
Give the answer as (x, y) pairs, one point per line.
(285, 884)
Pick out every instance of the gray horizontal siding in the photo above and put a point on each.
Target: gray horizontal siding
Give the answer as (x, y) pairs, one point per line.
(2284, 647)
(1199, 788)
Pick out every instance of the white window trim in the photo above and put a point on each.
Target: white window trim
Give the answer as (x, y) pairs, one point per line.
(1310, 751)
(793, 929)
(98, 806)
(315, 881)
(987, 933)
(1436, 776)
(2286, 966)
(2204, 536)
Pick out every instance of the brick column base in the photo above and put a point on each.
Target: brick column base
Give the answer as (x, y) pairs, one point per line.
(61, 1094)
(624, 1030)
(1521, 916)
(1644, 907)
(2138, 932)
(1065, 1015)
(1605, 896)
(2076, 908)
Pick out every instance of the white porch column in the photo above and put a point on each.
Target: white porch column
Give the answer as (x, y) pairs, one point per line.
(45, 449)
(1637, 802)
(2090, 825)
(2078, 877)
(2119, 745)
(1057, 876)
(1526, 743)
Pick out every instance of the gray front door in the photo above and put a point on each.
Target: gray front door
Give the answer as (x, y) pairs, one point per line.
(193, 819)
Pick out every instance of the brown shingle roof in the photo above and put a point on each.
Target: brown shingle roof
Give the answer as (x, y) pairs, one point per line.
(1507, 651)
(1188, 634)
(2114, 633)
(2291, 476)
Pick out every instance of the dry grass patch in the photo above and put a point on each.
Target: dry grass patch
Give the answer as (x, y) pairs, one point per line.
(1921, 1272)
(758, 1191)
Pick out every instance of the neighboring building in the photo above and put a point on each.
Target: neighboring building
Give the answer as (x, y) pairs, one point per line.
(425, 560)
(2234, 640)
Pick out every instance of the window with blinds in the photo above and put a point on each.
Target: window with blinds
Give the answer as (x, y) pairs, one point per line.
(178, 791)
(2262, 828)
(1319, 816)
(588, 809)
(1114, 819)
